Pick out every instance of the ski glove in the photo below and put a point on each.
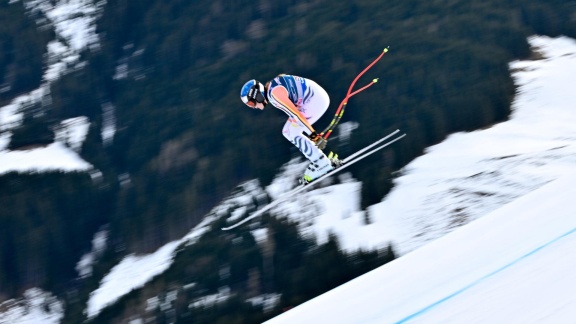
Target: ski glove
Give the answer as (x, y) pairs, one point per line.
(318, 140)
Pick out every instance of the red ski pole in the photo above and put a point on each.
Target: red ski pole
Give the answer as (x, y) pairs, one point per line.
(341, 108)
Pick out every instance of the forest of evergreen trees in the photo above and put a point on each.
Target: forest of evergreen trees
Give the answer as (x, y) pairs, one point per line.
(185, 141)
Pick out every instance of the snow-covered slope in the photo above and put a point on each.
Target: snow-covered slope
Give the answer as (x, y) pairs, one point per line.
(514, 265)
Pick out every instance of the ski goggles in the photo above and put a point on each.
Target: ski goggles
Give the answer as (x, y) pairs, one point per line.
(255, 95)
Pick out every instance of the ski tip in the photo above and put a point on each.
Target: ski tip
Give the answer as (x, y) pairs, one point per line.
(386, 49)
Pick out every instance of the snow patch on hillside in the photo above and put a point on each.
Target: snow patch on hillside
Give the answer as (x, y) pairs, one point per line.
(74, 22)
(36, 306)
(59, 156)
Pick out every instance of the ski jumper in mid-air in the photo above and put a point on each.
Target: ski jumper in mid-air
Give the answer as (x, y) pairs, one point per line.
(304, 101)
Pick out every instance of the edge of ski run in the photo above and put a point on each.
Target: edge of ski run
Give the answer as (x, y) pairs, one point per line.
(357, 156)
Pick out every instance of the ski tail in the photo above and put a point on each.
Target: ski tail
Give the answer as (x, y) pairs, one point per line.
(266, 208)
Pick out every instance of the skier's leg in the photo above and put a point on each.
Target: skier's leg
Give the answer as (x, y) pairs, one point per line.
(294, 133)
(313, 108)
(319, 162)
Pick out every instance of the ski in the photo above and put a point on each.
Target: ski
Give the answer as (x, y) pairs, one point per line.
(346, 160)
(350, 160)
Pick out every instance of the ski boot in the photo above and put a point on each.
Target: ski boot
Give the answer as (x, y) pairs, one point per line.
(320, 167)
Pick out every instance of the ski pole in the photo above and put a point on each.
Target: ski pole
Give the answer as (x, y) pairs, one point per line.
(342, 107)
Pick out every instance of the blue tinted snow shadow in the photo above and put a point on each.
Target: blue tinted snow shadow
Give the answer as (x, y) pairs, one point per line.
(474, 283)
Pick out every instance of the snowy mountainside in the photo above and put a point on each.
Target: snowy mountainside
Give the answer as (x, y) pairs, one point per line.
(504, 162)
(75, 29)
(511, 186)
(471, 174)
